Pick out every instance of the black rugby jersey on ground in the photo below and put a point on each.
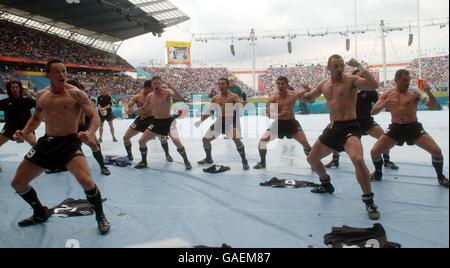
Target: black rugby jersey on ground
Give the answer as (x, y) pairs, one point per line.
(346, 236)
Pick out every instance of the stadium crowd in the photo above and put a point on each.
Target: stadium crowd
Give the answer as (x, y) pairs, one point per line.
(24, 42)
(195, 80)
(21, 42)
(116, 85)
(434, 69)
(204, 80)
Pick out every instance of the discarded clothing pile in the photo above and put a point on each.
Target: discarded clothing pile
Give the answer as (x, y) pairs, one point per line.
(118, 161)
(216, 169)
(277, 183)
(73, 208)
(349, 237)
(223, 246)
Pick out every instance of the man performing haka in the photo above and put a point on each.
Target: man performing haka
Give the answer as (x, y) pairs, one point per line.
(160, 102)
(60, 105)
(343, 133)
(142, 122)
(364, 104)
(83, 125)
(17, 109)
(288, 126)
(402, 104)
(227, 122)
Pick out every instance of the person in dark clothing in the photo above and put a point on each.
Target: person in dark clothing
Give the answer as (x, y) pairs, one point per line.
(17, 109)
(104, 102)
(344, 132)
(60, 105)
(402, 103)
(83, 125)
(366, 100)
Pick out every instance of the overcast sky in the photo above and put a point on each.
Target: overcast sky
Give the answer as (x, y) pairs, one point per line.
(219, 16)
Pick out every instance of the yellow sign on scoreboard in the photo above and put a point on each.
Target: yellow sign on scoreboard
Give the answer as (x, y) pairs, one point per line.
(178, 52)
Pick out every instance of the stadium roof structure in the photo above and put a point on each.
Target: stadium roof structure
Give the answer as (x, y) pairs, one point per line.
(103, 24)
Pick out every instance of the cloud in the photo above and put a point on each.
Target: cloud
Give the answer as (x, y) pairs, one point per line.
(216, 16)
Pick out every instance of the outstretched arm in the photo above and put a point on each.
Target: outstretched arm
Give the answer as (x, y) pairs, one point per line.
(207, 113)
(34, 121)
(176, 95)
(429, 100)
(381, 104)
(367, 81)
(270, 113)
(146, 107)
(310, 95)
(129, 107)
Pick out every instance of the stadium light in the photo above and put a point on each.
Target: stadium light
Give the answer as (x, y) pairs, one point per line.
(411, 39)
(290, 43)
(232, 50)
